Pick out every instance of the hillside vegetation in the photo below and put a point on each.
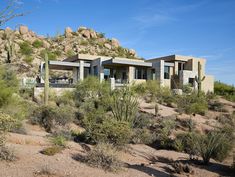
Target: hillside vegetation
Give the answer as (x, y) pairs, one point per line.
(24, 49)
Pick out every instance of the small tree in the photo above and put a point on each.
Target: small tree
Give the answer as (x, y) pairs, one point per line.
(9, 12)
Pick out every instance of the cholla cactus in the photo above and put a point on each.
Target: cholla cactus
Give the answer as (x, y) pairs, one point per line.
(199, 79)
(10, 47)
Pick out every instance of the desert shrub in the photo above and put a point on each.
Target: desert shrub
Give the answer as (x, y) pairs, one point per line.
(26, 93)
(215, 105)
(166, 128)
(58, 140)
(143, 136)
(6, 154)
(124, 105)
(37, 43)
(103, 156)
(6, 124)
(83, 42)
(143, 120)
(192, 104)
(106, 129)
(187, 89)
(213, 145)
(50, 151)
(26, 48)
(51, 54)
(28, 59)
(225, 90)
(67, 98)
(8, 84)
(101, 35)
(91, 89)
(50, 116)
(70, 53)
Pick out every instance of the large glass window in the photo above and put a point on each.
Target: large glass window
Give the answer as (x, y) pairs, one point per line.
(95, 68)
(166, 72)
(140, 73)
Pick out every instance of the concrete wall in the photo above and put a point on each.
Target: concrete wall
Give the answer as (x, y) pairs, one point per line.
(208, 84)
(38, 92)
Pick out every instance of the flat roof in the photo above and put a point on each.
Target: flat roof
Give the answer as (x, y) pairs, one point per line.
(62, 65)
(119, 61)
(175, 57)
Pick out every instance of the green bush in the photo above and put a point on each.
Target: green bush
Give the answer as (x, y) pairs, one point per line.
(213, 145)
(70, 53)
(51, 54)
(104, 156)
(91, 89)
(163, 133)
(8, 84)
(124, 105)
(225, 90)
(50, 116)
(106, 129)
(28, 59)
(37, 43)
(50, 151)
(58, 140)
(143, 136)
(192, 104)
(6, 154)
(26, 48)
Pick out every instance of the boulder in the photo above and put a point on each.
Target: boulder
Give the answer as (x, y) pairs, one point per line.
(68, 32)
(8, 30)
(115, 42)
(23, 30)
(93, 34)
(108, 46)
(86, 33)
(81, 28)
(132, 52)
(46, 44)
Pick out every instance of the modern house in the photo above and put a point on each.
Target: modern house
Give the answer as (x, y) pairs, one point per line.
(172, 71)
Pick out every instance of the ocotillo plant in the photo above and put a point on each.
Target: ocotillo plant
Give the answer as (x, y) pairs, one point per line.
(46, 79)
(199, 79)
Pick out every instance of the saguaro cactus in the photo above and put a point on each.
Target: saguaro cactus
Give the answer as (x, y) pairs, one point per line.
(46, 85)
(199, 79)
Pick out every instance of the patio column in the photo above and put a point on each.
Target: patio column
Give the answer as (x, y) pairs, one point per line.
(75, 75)
(81, 70)
(101, 71)
(131, 74)
(149, 74)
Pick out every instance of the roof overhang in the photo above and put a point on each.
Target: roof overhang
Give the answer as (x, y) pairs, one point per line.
(62, 65)
(130, 62)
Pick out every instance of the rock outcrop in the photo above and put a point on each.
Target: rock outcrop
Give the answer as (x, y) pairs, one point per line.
(27, 49)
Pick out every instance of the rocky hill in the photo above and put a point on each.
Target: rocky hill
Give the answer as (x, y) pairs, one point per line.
(24, 49)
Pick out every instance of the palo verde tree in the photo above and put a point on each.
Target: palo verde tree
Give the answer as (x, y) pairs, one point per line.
(9, 11)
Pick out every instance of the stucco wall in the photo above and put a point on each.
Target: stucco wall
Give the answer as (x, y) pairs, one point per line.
(208, 84)
(39, 92)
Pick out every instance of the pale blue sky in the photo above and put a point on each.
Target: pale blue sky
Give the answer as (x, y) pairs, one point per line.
(201, 28)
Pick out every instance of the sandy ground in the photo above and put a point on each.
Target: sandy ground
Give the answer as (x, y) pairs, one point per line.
(139, 160)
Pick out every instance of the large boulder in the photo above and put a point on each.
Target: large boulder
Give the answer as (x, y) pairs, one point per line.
(93, 34)
(108, 46)
(46, 44)
(86, 33)
(115, 42)
(23, 30)
(68, 32)
(133, 52)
